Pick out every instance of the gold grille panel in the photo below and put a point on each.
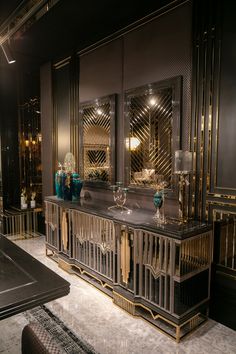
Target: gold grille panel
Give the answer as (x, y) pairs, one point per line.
(225, 238)
(94, 242)
(52, 222)
(193, 255)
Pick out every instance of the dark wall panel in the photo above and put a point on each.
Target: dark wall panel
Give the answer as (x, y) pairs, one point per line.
(101, 71)
(47, 128)
(101, 74)
(9, 137)
(62, 110)
(159, 50)
(226, 171)
(155, 51)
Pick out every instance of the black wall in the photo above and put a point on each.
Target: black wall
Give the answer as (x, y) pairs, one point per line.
(150, 53)
(9, 136)
(225, 166)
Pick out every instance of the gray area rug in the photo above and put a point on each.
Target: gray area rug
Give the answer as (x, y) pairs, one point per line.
(70, 342)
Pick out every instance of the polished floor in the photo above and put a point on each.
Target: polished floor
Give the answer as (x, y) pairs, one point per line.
(108, 328)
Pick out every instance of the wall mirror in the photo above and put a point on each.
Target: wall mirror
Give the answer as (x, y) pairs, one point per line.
(97, 140)
(152, 128)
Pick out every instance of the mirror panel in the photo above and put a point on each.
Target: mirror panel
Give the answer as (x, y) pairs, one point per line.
(97, 136)
(152, 131)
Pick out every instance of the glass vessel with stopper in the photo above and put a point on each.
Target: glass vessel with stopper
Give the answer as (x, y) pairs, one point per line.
(120, 196)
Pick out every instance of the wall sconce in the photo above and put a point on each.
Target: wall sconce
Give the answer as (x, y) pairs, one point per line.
(7, 53)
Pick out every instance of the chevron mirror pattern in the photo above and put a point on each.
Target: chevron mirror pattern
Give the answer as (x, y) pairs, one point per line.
(96, 119)
(150, 133)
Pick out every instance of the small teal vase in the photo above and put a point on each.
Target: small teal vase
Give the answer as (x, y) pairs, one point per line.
(77, 185)
(158, 201)
(60, 177)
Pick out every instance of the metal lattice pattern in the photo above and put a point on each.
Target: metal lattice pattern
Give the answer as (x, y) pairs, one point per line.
(225, 225)
(164, 262)
(52, 222)
(156, 254)
(151, 123)
(96, 139)
(193, 255)
(94, 242)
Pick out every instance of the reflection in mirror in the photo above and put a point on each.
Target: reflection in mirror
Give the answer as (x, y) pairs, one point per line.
(152, 128)
(97, 138)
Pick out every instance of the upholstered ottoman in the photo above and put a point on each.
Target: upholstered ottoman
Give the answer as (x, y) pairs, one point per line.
(36, 340)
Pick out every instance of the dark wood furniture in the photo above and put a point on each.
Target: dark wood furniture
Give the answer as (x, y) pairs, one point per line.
(24, 281)
(158, 272)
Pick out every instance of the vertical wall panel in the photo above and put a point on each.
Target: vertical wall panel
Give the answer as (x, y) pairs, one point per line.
(101, 74)
(9, 137)
(160, 50)
(101, 71)
(47, 128)
(225, 165)
(61, 82)
(147, 54)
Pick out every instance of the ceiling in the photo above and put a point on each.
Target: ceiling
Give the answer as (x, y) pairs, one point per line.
(7, 7)
(72, 24)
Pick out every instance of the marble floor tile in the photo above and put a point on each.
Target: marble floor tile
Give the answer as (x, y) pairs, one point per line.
(109, 329)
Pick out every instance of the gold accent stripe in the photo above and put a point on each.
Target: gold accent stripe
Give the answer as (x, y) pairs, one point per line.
(103, 284)
(62, 63)
(125, 257)
(64, 230)
(125, 304)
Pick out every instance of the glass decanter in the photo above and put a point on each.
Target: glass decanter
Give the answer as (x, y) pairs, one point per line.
(119, 196)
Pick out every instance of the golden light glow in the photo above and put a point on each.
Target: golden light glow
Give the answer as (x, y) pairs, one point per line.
(26, 142)
(132, 143)
(152, 101)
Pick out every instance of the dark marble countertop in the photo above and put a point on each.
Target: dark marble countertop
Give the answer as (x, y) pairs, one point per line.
(137, 218)
(24, 281)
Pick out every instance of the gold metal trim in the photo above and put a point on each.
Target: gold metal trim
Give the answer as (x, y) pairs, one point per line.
(223, 196)
(64, 231)
(125, 303)
(226, 274)
(62, 63)
(82, 271)
(125, 256)
(103, 284)
(220, 203)
(64, 265)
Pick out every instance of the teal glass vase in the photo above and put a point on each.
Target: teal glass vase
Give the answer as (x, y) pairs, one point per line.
(60, 177)
(158, 201)
(77, 185)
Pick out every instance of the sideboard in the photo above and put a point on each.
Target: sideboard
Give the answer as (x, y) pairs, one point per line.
(158, 272)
